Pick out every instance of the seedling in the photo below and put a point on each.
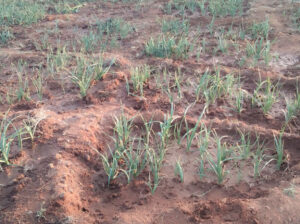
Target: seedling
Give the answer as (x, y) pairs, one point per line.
(260, 30)
(40, 214)
(90, 41)
(191, 133)
(167, 47)
(210, 26)
(296, 18)
(165, 129)
(20, 12)
(290, 191)
(279, 146)
(175, 27)
(203, 84)
(178, 126)
(39, 84)
(85, 72)
(218, 165)
(178, 80)
(259, 50)
(30, 125)
(138, 77)
(135, 160)
(258, 158)
(219, 87)
(154, 163)
(203, 138)
(179, 170)
(239, 101)
(114, 27)
(292, 109)
(265, 95)
(83, 80)
(8, 133)
(111, 168)
(222, 45)
(122, 131)
(245, 145)
(58, 60)
(220, 8)
(5, 36)
(23, 91)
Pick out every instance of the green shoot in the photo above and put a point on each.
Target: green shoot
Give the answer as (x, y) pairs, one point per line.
(179, 170)
(279, 146)
(191, 133)
(138, 77)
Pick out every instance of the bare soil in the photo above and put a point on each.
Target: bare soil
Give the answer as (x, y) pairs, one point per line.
(62, 173)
